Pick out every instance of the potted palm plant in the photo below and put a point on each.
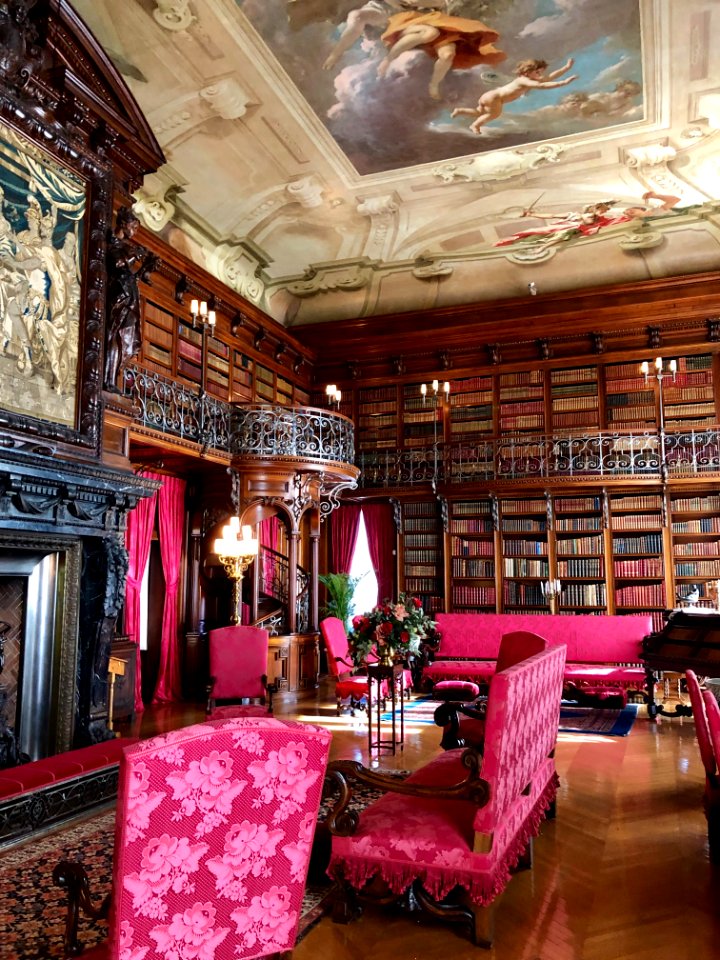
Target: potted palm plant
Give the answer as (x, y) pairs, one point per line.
(340, 589)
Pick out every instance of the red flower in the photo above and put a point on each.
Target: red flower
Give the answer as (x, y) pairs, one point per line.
(386, 628)
(416, 601)
(405, 636)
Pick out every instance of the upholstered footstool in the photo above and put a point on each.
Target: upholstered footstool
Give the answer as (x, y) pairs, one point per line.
(456, 691)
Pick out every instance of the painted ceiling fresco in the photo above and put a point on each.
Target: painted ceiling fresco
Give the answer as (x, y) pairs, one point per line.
(402, 82)
(332, 159)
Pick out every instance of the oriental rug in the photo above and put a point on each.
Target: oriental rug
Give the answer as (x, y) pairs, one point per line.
(32, 909)
(573, 718)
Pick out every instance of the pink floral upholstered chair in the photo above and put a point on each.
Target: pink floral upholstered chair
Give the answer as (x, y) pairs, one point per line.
(213, 831)
(238, 672)
(450, 835)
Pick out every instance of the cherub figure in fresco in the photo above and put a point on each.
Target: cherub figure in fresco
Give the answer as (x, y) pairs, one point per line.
(585, 223)
(454, 43)
(530, 75)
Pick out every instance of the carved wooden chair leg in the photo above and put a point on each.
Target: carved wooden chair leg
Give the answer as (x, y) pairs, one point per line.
(484, 926)
(344, 904)
(73, 878)
(446, 716)
(713, 822)
(525, 861)
(338, 708)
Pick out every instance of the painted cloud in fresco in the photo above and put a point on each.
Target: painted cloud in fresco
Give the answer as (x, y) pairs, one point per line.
(385, 123)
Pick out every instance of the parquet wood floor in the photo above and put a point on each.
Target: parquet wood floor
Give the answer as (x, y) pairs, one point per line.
(622, 874)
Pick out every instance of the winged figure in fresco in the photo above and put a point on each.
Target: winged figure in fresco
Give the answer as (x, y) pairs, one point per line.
(448, 31)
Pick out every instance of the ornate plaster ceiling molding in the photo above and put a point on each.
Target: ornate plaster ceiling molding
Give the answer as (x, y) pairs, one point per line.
(155, 201)
(332, 276)
(226, 97)
(307, 191)
(503, 165)
(239, 266)
(173, 15)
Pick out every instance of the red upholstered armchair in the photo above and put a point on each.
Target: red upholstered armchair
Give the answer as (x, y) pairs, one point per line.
(213, 831)
(238, 672)
(349, 688)
(706, 715)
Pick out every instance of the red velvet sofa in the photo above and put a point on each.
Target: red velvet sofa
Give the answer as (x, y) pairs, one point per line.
(48, 791)
(604, 654)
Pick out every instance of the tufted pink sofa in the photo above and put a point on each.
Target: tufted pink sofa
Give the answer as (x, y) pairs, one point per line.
(438, 840)
(603, 653)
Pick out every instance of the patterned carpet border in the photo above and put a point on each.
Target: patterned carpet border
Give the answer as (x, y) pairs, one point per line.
(32, 909)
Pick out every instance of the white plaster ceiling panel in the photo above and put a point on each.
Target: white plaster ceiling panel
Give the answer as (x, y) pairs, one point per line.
(331, 158)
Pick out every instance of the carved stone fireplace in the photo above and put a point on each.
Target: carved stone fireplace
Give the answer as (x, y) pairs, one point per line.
(62, 570)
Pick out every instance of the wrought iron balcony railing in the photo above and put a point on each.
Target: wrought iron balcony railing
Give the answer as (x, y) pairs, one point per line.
(601, 455)
(163, 404)
(261, 430)
(309, 433)
(313, 434)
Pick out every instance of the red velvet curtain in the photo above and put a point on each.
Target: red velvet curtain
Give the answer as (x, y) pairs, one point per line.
(380, 528)
(171, 514)
(344, 526)
(137, 540)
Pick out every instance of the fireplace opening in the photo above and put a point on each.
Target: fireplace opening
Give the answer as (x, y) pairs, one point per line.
(38, 634)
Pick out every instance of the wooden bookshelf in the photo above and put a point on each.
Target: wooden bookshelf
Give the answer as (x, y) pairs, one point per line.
(377, 418)
(525, 554)
(472, 556)
(690, 400)
(574, 399)
(629, 402)
(421, 417)
(636, 529)
(580, 554)
(695, 531)
(471, 408)
(158, 339)
(242, 377)
(264, 384)
(522, 402)
(422, 555)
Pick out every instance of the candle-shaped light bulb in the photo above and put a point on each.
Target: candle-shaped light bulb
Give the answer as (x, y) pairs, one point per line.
(247, 532)
(423, 390)
(658, 364)
(446, 388)
(194, 307)
(645, 368)
(330, 389)
(203, 308)
(673, 369)
(212, 318)
(234, 525)
(338, 396)
(435, 385)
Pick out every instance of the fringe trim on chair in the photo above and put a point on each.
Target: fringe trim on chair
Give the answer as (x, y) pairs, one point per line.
(438, 882)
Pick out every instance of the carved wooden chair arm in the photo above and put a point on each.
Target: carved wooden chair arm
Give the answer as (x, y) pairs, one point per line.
(340, 773)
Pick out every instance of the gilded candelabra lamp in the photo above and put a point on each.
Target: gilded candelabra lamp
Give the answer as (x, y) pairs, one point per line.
(236, 553)
(551, 591)
(662, 371)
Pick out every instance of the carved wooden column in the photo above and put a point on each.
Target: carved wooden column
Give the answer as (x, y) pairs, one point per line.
(292, 581)
(314, 571)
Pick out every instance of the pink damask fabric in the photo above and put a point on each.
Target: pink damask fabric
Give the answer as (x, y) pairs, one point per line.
(403, 839)
(213, 833)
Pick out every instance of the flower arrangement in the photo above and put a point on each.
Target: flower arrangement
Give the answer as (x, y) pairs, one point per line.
(394, 629)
